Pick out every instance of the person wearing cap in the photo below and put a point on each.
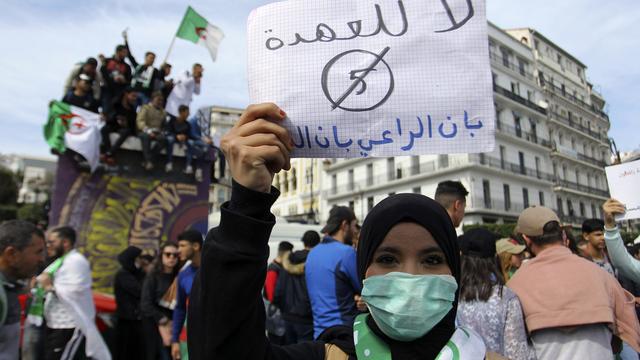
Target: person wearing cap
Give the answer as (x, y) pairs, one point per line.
(510, 255)
(332, 280)
(486, 305)
(88, 68)
(80, 96)
(572, 307)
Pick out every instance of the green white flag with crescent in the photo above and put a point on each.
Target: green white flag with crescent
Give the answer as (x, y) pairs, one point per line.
(198, 30)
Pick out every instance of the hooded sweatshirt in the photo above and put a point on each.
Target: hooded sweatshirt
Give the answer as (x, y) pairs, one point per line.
(291, 295)
(128, 285)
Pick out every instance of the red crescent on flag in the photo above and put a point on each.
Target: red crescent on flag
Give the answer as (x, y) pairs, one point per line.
(201, 32)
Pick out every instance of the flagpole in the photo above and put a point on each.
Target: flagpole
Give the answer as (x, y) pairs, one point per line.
(170, 48)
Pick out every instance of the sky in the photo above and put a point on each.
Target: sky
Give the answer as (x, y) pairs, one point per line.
(42, 40)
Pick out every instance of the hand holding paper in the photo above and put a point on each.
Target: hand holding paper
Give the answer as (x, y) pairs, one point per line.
(623, 184)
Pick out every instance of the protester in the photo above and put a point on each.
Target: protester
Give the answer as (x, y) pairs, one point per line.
(452, 195)
(203, 146)
(81, 96)
(157, 303)
(116, 75)
(127, 288)
(145, 76)
(151, 122)
(407, 255)
(122, 121)
(593, 233)
(183, 89)
(164, 83)
(275, 324)
(331, 273)
(69, 310)
(179, 132)
(190, 248)
(88, 68)
(486, 305)
(572, 308)
(21, 254)
(510, 256)
(628, 265)
(291, 295)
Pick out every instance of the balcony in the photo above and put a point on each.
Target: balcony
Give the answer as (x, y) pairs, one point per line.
(589, 107)
(519, 99)
(512, 168)
(573, 154)
(500, 60)
(530, 137)
(575, 125)
(579, 187)
(571, 219)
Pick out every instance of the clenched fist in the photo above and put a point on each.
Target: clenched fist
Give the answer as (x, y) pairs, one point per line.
(258, 147)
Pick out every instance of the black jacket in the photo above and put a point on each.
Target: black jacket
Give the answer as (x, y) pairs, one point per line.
(291, 295)
(154, 287)
(226, 312)
(128, 285)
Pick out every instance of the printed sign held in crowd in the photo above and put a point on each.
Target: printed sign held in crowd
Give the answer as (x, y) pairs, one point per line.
(376, 78)
(623, 184)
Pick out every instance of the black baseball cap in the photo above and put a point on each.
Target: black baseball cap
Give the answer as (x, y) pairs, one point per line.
(337, 215)
(479, 242)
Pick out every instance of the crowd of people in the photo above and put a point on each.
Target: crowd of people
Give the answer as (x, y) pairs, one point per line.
(401, 286)
(140, 100)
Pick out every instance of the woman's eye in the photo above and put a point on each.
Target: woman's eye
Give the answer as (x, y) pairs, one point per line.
(433, 260)
(385, 259)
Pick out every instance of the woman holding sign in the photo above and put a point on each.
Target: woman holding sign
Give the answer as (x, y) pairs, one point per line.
(408, 261)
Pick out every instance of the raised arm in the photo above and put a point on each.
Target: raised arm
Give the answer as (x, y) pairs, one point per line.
(628, 266)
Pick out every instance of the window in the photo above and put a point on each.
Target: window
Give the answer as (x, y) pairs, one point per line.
(570, 208)
(530, 95)
(518, 125)
(443, 161)
(391, 171)
(294, 180)
(538, 168)
(541, 198)
(536, 44)
(369, 203)
(351, 205)
(521, 67)
(398, 173)
(578, 177)
(534, 130)
(593, 211)
(415, 165)
(334, 183)
(582, 209)
(486, 192)
(494, 78)
(350, 183)
(560, 62)
(525, 197)
(503, 150)
(507, 197)
(285, 183)
(515, 88)
(560, 207)
(541, 77)
(523, 170)
(416, 190)
(369, 174)
(564, 172)
(505, 56)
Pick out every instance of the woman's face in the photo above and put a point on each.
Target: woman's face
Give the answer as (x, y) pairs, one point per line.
(408, 248)
(170, 256)
(516, 260)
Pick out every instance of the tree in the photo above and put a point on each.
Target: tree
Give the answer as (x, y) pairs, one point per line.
(31, 212)
(8, 188)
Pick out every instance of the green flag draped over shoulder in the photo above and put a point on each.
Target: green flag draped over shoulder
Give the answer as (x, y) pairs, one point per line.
(198, 30)
(57, 125)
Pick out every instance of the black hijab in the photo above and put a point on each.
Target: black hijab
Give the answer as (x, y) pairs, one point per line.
(432, 216)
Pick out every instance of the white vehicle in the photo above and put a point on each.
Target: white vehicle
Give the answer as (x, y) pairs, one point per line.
(282, 231)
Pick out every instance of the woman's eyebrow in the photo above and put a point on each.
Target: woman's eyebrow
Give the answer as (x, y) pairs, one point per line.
(389, 249)
(431, 250)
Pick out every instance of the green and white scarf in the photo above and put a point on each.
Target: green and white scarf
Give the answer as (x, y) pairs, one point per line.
(36, 310)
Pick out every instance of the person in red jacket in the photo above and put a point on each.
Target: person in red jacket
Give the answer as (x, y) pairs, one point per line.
(273, 270)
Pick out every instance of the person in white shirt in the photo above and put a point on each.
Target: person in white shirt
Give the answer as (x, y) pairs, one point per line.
(69, 309)
(184, 88)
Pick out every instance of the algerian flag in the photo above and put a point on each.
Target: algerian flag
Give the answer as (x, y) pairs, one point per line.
(74, 128)
(197, 29)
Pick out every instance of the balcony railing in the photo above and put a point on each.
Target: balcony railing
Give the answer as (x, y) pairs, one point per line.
(529, 136)
(519, 99)
(575, 125)
(575, 155)
(511, 167)
(499, 59)
(559, 91)
(580, 187)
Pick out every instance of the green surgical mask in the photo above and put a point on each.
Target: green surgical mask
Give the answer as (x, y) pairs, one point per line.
(406, 307)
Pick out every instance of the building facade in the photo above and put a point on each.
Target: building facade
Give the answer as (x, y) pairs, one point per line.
(37, 175)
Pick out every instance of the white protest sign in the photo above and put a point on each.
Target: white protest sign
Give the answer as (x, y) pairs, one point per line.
(364, 78)
(624, 181)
